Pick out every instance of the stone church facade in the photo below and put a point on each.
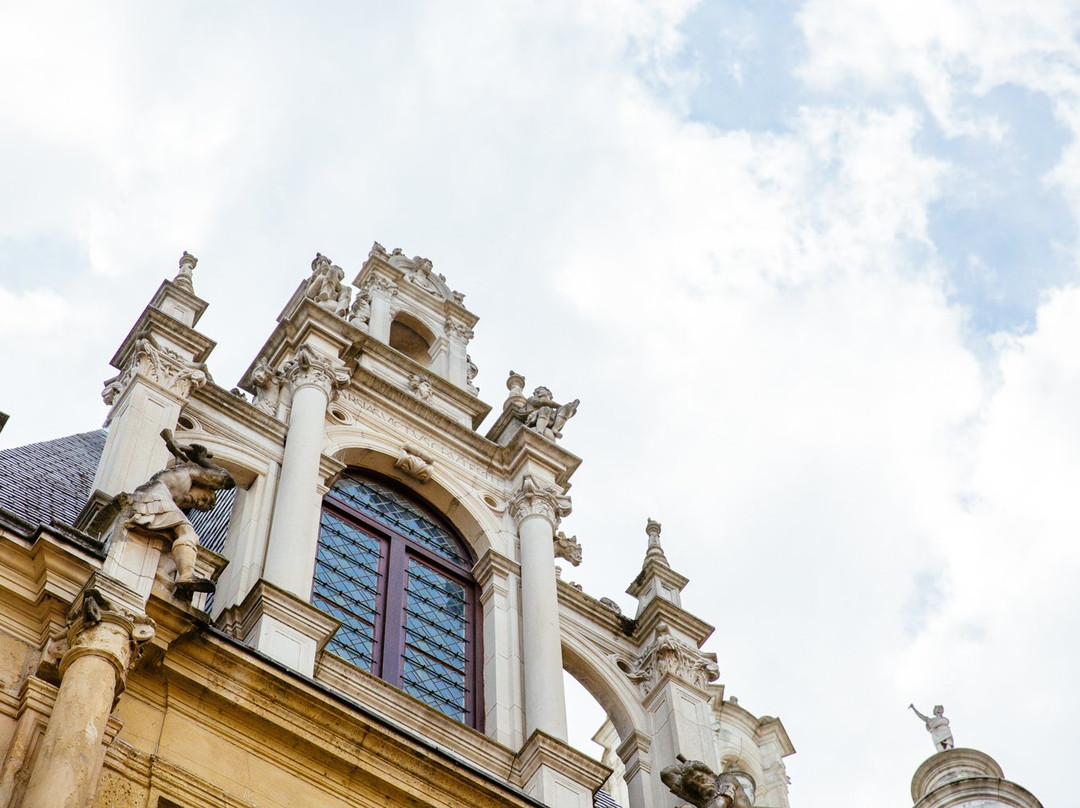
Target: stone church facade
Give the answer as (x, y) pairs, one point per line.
(327, 587)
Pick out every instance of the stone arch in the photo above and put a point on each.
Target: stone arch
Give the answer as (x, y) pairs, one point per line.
(458, 504)
(590, 663)
(412, 337)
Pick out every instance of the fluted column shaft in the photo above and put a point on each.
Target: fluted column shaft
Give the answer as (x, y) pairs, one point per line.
(294, 532)
(536, 510)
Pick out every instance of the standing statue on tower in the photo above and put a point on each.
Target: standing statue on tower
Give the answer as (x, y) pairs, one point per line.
(938, 727)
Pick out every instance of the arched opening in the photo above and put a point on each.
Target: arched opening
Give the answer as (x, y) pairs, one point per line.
(412, 338)
(590, 730)
(398, 577)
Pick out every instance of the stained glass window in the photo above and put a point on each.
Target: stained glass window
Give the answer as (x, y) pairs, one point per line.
(398, 580)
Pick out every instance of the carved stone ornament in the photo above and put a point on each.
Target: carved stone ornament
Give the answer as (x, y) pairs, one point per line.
(693, 781)
(415, 463)
(938, 727)
(420, 386)
(545, 415)
(534, 498)
(183, 277)
(267, 383)
(515, 383)
(309, 368)
(567, 547)
(458, 330)
(156, 508)
(325, 286)
(670, 655)
(96, 626)
(360, 312)
(471, 371)
(162, 366)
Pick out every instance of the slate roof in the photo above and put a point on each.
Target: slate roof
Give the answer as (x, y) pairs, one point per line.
(51, 480)
(43, 482)
(604, 800)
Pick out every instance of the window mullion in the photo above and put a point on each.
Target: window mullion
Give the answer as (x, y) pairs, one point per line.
(397, 577)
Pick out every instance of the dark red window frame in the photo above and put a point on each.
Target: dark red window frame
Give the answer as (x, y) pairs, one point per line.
(388, 646)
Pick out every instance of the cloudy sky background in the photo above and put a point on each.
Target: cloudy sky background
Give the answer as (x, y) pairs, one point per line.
(811, 268)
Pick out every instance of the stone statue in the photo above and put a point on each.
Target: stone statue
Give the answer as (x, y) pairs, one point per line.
(155, 507)
(324, 285)
(360, 313)
(344, 298)
(938, 727)
(545, 415)
(696, 783)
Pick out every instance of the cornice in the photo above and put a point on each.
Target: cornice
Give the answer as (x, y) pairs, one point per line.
(172, 289)
(655, 568)
(463, 399)
(595, 613)
(298, 719)
(233, 408)
(542, 749)
(528, 445)
(366, 384)
(659, 610)
(157, 322)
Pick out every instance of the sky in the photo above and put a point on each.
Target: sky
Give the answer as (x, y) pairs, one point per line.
(811, 268)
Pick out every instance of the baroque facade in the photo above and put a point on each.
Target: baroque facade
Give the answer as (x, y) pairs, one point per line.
(326, 587)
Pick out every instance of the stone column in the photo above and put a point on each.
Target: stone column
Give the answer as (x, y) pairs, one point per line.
(382, 291)
(294, 532)
(536, 509)
(93, 669)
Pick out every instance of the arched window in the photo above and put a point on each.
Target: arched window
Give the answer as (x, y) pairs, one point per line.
(399, 581)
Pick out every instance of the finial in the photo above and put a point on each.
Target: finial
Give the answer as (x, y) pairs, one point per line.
(183, 277)
(515, 383)
(652, 530)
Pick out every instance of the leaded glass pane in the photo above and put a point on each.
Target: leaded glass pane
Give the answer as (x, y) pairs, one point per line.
(434, 664)
(346, 586)
(396, 512)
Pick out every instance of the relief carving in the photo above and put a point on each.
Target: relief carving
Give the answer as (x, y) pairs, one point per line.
(415, 463)
(670, 655)
(267, 383)
(163, 366)
(420, 386)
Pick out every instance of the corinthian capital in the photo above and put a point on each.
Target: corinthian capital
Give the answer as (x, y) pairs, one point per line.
(534, 498)
(309, 368)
